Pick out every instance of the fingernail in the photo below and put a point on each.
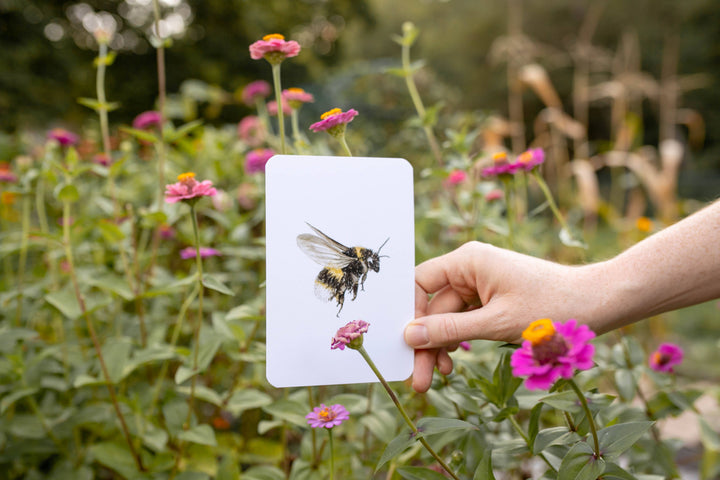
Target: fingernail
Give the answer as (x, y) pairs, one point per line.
(416, 335)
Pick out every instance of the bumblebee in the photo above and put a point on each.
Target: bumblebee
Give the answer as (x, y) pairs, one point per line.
(344, 268)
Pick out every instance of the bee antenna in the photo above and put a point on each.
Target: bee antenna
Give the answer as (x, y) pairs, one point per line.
(378, 250)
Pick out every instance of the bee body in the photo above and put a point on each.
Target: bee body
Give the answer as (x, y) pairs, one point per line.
(344, 268)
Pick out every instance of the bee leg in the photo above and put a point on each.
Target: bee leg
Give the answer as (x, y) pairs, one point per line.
(341, 302)
(355, 290)
(362, 282)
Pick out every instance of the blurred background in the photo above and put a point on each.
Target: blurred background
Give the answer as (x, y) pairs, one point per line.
(643, 53)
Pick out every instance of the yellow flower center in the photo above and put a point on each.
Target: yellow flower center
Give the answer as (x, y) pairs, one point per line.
(273, 36)
(186, 177)
(539, 331)
(644, 224)
(500, 157)
(7, 198)
(330, 113)
(525, 157)
(296, 90)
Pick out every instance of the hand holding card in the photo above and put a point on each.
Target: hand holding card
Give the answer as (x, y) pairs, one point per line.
(340, 247)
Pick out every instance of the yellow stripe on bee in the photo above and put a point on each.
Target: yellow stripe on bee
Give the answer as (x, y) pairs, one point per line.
(337, 273)
(358, 252)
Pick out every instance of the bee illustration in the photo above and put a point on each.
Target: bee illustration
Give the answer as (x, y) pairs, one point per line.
(344, 268)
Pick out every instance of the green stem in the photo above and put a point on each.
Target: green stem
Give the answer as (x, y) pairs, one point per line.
(519, 430)
(161, 102)
(551, 201)
(198, 324)
(23, 255)
(295, 126)
(173, 341)
(510, 212)
(278, 99)
(589, 416)
(263, 115)
(344, 144)
(332, 454)
(94, 337)
(417, 102)
(404, 414)
(311, 400)
(102, 101)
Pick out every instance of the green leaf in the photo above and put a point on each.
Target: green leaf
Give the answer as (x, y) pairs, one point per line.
(534, 423)
(615, 439)
(263, 473)
(9, 337)
(173, 136)
(625, 382)
(107, 60)
(155, 438)
(613, 471)
(419, 473)
(201, 434)
(247, 399)
(484, 469)
(212, 282)
(67, 193)
(203, 393)
(183, 373)
(84, 380)
(146, 356)
(580, 464)
(434, 425)
(397, 445)
(289, 410)
(110, 231)
(140, 134)
(552, 436)
(117, 457)
(228, 468)
(10, 399)
(380, 423)
(65, 301)
(188, 475)
(566, 401)
(398, 72)
(710, 439)
(116, 352)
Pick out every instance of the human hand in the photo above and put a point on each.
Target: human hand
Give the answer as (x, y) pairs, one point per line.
(484, 292)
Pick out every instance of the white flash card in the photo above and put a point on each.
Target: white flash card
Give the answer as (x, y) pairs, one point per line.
(340, 247)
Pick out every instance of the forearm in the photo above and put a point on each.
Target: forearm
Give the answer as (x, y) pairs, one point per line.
(677, 267)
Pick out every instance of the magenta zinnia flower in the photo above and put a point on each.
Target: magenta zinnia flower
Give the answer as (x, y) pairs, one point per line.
(456, 177)
(295, 97)
(526, 161)
(501, 166)
(272, 108)
(188, 189)
(251, 130)
(666, 357)
(274, 48)
(6, 175)
(189, 252)
(465, 346)
(63, 137)
(530, 159)
(147, 119)
(256, 159)
(552, 350)
(328, 417)
(334, 121)
(255, 90)
(350, 335)
(102, 159)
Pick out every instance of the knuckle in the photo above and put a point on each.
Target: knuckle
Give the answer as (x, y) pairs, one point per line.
(449, 329)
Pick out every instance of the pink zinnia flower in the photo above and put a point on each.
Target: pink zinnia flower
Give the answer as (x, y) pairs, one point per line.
(63, 137)
(552, 350)
(251, 130)
(272, 108)
(5, 174)
(256, 159)
(189, 252)
(189, 189)
(274, 48)
(258, 89)
(334, 121)
(456, 177)
(495, 194)
(350, 335)
(102, 159)
(530, 159)
(465, 346)
(147, 119)
(666, 357)
(166, 231)
(501, 166)
(295, 97)
(328, 417)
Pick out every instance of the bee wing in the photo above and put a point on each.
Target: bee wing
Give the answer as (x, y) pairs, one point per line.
(323, 250)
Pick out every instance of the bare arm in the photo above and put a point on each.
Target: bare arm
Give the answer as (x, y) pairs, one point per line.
(674, 268)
